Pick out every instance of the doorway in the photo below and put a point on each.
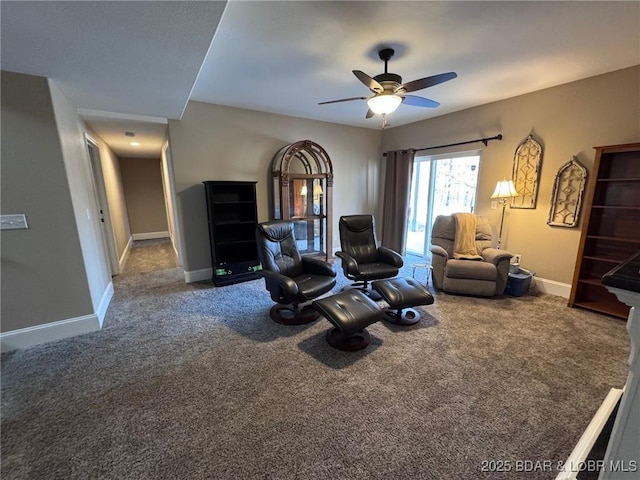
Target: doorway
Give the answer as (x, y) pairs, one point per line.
(441, 185)
(100, 193)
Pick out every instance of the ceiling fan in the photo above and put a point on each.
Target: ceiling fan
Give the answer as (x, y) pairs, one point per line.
(389, 91)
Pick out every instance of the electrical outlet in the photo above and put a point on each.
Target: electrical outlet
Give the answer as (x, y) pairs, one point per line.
(516, 259)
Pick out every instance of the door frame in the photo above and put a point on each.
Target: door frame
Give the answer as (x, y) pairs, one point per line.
(168, 185)
(100, 193)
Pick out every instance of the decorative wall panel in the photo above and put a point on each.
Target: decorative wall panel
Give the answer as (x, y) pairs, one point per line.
(527, 163)
(566, 199)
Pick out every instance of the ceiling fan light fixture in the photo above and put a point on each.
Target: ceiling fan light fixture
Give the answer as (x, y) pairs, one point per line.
(383, 104)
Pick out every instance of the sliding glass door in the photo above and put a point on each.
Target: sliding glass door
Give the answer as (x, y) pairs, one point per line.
(441, 185)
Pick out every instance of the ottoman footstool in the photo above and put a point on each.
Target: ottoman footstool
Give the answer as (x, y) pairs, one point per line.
(350, 311)
(401, 294)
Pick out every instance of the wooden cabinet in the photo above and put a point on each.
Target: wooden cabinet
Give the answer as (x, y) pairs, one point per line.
(232, 215)
(611, 227)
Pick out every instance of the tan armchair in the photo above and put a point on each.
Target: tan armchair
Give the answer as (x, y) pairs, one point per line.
(485, 276)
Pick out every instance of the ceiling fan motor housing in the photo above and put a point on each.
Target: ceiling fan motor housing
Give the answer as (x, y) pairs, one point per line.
(388, 77)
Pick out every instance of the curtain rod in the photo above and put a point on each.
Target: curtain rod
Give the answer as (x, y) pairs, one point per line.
(483, 140)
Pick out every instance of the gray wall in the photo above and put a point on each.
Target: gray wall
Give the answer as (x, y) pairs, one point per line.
(569, 120)
(213, 142)
(43, 274)
(142, 184)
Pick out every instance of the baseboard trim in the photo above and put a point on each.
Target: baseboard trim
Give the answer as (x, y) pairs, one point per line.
(552, 287)
(48, 332)
(580, 452)
(198, 275)
(125, 255)
(104, 303)
(150, 235)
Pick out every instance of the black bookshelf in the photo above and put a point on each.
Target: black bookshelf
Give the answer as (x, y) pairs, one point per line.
(232, 214)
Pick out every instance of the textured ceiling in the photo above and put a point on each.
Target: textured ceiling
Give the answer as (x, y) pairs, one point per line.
(148, 58)
(285, 57)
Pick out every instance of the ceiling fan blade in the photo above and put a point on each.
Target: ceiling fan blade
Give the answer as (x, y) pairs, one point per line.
(419, 101)
(370, 113)
(371, 84)
(428, 81)
(343, 100)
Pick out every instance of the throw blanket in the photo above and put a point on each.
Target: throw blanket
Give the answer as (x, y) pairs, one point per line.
(464, 245)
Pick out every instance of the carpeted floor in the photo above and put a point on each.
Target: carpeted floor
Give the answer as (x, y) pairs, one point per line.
(194, 382)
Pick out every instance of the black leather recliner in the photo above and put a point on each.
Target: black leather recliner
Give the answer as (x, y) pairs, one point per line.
(290, 278)
(362, 259)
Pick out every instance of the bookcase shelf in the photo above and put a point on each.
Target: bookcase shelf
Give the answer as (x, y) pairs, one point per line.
(610, 227)
(232, 215)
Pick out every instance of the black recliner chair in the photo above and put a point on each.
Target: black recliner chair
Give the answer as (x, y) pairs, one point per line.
(362, 259)
(291, 278)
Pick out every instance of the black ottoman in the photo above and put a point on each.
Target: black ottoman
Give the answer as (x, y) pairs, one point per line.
(350, 311)
(401, 294)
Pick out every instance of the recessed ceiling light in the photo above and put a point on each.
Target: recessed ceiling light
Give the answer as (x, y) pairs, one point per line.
(135, 144)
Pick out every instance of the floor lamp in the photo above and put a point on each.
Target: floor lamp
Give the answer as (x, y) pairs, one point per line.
(504, 189)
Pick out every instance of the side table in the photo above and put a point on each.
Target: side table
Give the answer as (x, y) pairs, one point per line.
(422, 265)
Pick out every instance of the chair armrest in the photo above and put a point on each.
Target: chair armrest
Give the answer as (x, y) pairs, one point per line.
(495, 256)
(317, 266)
(283, 289)
(349, 264)
(438, 250)
(390, 256)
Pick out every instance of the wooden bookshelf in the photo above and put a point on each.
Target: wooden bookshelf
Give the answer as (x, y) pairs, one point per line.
(610, 229)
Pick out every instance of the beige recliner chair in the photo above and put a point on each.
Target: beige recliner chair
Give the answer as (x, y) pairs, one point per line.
(485, 274)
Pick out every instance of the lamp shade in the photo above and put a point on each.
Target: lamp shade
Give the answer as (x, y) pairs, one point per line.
(383, 103)
(505, 189)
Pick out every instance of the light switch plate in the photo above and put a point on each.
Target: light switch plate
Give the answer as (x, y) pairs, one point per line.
(13, 222)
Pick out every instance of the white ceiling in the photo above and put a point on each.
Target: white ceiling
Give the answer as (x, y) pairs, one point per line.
(142, 57)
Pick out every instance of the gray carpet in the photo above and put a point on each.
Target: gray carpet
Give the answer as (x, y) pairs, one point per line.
(193, 381)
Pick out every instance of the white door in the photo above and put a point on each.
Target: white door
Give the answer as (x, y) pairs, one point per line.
(100, 193)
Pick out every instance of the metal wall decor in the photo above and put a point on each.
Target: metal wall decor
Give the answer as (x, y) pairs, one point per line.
(303, 193)
(527, 163)
(566, 199)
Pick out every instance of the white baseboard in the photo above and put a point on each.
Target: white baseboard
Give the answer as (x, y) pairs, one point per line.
(125, 255)
(49, 332)
(552, 287)
(101, 311)
(198, 275)
(576, 460)
(30, 336)
(150, 235)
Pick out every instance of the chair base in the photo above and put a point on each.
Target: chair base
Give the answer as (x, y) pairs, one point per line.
(349, 343)
(405, 317)
(292, 315)
(367, 290)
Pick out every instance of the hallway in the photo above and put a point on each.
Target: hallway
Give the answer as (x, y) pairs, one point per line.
(149, 256)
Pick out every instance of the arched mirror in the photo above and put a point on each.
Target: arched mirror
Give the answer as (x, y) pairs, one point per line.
(303, 192)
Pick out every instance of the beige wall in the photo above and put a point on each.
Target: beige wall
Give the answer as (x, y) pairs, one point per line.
(142, 183)
(569, 120)
(213, 142)
(43, 273)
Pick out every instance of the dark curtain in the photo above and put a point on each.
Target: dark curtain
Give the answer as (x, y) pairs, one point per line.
(397, 186)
